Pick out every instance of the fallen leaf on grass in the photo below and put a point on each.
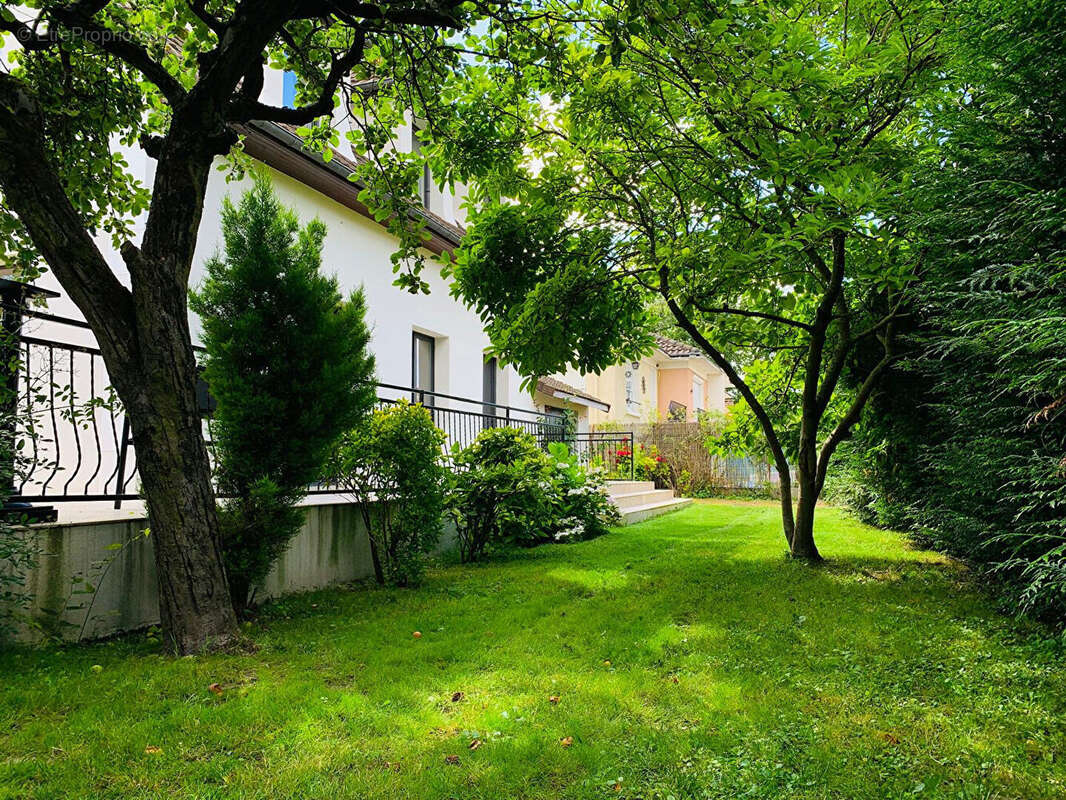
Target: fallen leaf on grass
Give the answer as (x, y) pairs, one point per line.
(417, 634)
(451, 759)
(215, 688)
(891, 738)
(554, 699)
(153, 750)
(457, 697)
(566, 741)
(617, 787)
(475, 744)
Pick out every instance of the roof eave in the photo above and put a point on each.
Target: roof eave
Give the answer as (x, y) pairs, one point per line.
(577, 400)
(284, 151)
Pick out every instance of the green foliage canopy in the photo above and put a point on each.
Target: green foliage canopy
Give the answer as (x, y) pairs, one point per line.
(742, 162)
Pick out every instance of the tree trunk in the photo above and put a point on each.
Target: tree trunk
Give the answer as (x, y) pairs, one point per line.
(784, 474)
(194, 598)
(802, 543)
(143, 336)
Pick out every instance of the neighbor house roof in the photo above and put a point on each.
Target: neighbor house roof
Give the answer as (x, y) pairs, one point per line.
(278, 146)
(553, 387)
(676, 349)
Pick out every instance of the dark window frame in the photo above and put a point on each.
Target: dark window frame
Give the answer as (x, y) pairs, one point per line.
(490, 380)
(418, 392)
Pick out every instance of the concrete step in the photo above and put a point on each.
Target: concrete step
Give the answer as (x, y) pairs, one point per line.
(641, 498)
(631, 516)
(626, 487)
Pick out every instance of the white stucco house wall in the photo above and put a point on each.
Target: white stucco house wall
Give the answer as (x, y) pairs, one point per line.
(357, 250)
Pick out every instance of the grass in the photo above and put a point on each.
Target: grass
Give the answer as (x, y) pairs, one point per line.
(690, 659)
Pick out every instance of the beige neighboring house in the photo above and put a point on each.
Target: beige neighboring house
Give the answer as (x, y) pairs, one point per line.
(675, 382)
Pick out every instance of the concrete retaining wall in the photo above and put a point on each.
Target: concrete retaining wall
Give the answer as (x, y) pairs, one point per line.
(95, 579)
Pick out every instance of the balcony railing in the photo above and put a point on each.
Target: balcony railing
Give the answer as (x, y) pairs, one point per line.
(73, 442)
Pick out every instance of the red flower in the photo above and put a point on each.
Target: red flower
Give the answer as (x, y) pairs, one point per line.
(623, 453)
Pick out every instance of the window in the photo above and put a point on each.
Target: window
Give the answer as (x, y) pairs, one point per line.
(426, 181)
(288, 89)
(488, 388)
(697, 393)
(677, 412)
(423, 378)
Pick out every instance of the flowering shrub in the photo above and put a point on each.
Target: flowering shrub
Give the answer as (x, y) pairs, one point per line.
(579, 495)
(507, 491)
(649, 466)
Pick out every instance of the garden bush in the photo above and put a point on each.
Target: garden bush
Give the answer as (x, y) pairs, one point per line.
(288, 365)
(582, 508)
(392, 466)
(507, 491)
(499, 492)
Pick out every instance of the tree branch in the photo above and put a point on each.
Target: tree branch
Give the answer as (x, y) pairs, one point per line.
(442, 17)
(772, 440)
(244, 108)
(854, 412)
(795, 323)
(32, 189)
(78, 20)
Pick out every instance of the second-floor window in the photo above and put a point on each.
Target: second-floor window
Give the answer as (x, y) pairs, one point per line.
(488, 388)
(425, 183)
(423, 375)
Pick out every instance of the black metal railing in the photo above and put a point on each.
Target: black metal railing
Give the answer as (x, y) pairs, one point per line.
(73, 438)
(611, 452)
(462, 418)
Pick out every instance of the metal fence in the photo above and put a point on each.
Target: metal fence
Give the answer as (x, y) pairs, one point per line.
(72, 438)
(689, 467)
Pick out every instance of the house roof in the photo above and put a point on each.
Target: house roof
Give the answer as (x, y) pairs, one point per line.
(676, 349)
(278, 145)
(553, 387)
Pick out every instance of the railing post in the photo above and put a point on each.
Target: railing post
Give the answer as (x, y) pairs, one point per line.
(632, 457)
(120, 475)
(13, 298)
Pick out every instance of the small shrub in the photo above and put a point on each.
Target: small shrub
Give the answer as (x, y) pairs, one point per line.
(579, 498)
(507, 491)
(392, 465)
(500, 492)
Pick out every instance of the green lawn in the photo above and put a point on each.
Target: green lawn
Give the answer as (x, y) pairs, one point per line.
(689, 657)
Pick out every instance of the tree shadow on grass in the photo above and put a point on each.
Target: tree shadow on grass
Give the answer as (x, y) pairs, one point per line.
(690, 658)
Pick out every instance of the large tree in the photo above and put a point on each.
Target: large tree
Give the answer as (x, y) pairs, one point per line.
(739, 161)
(176, 76)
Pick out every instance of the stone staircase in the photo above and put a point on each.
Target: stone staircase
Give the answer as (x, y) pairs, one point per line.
(640, 500)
